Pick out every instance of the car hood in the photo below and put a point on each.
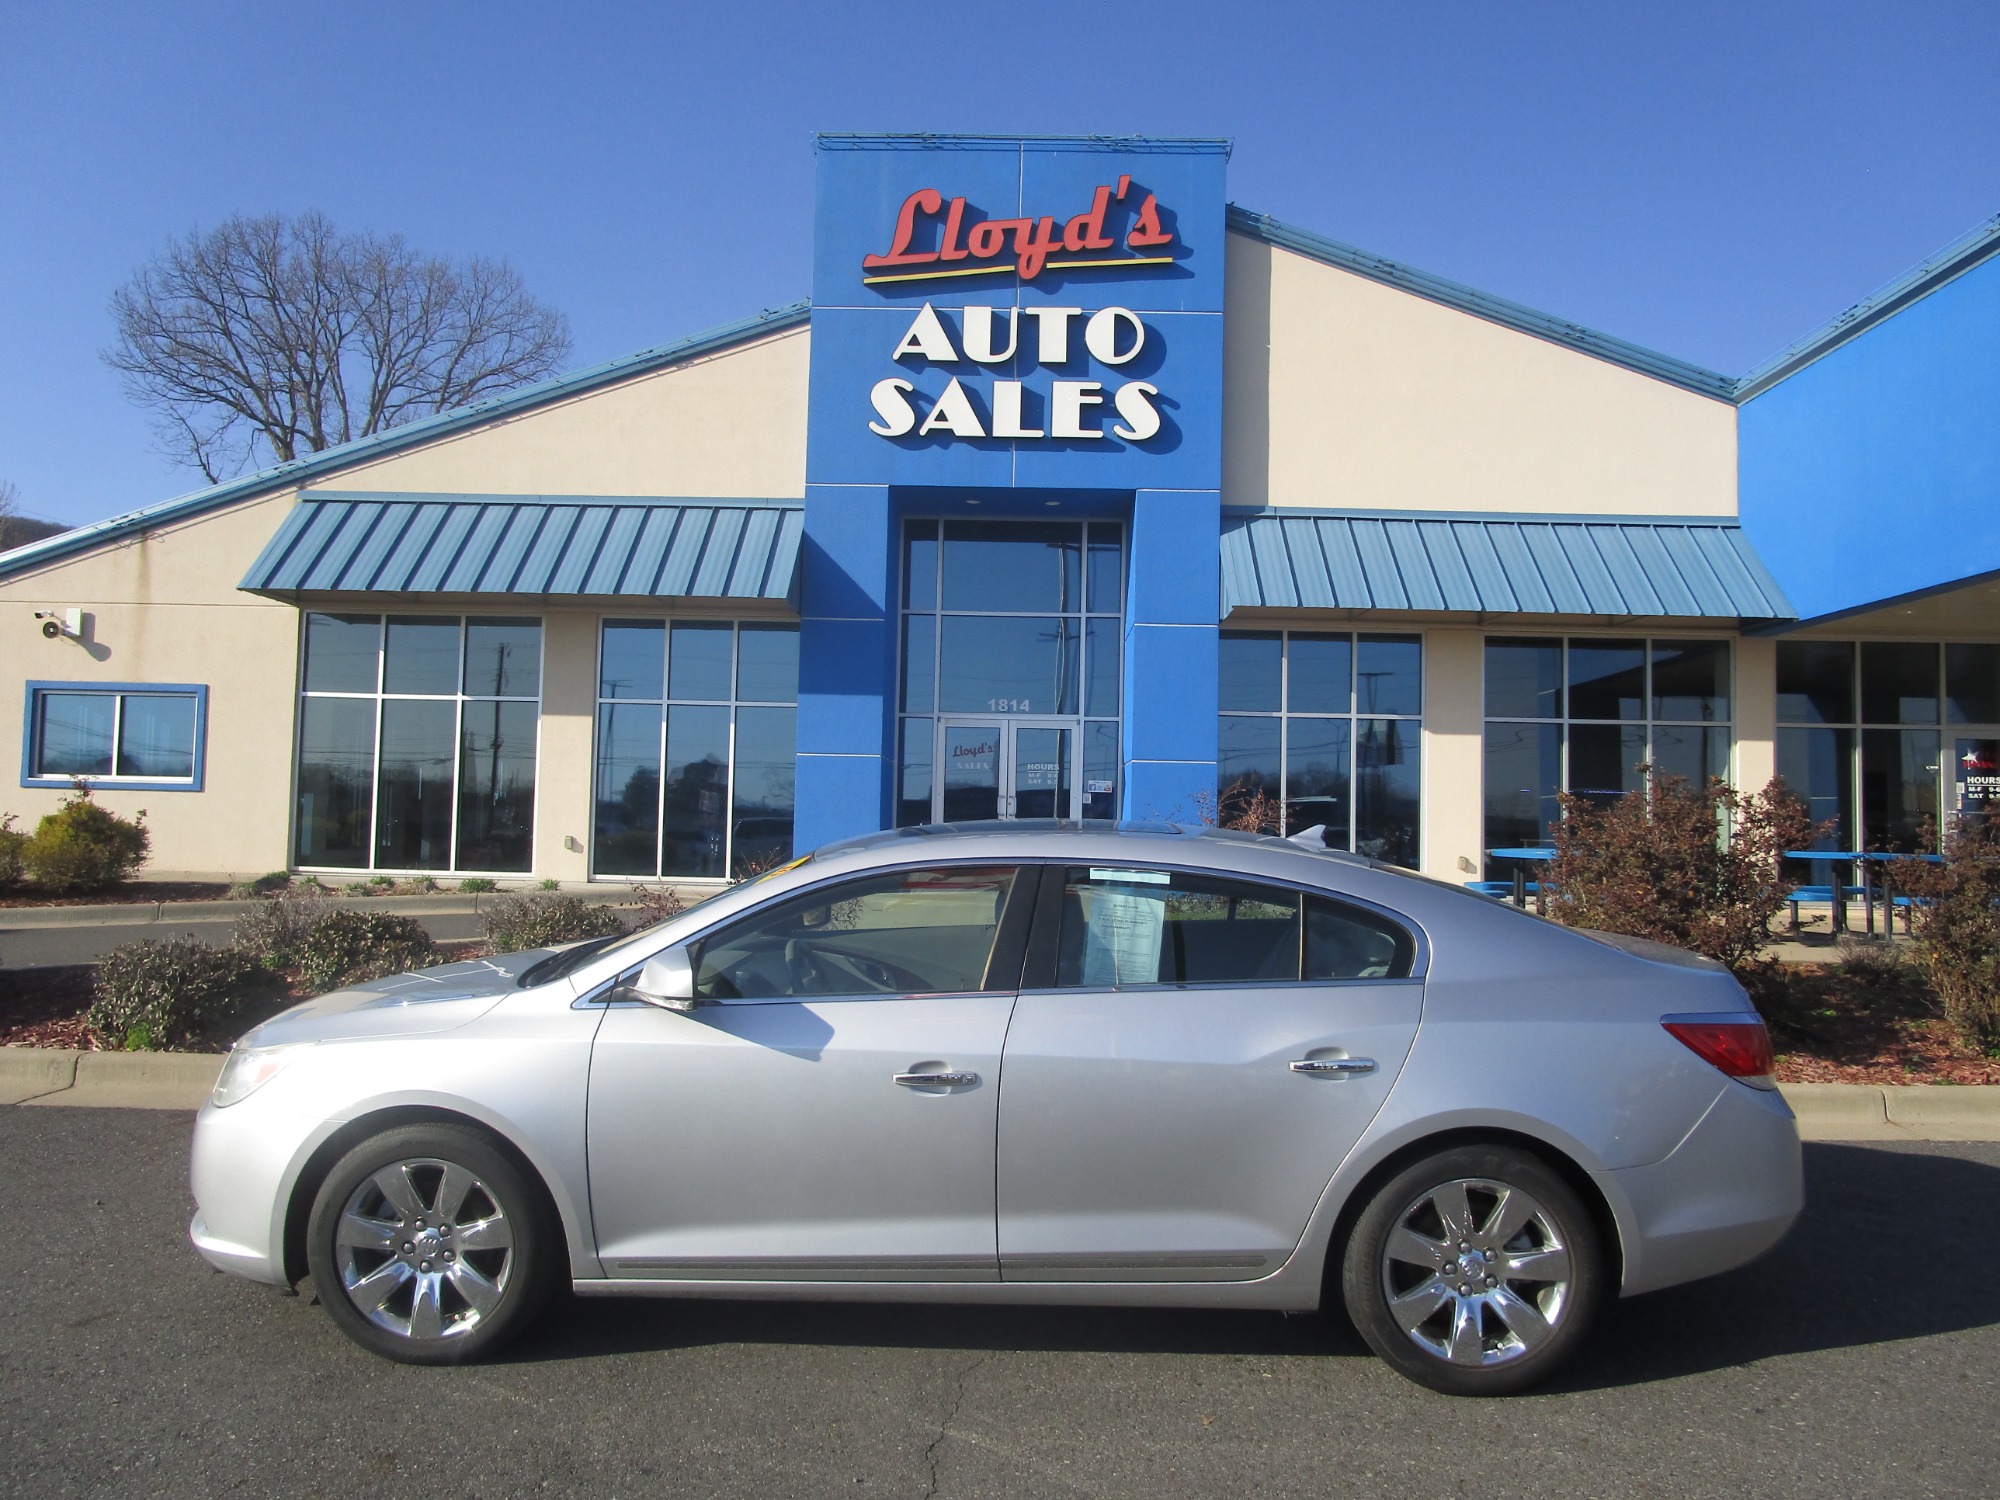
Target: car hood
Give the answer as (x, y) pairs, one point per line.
(401, 1005)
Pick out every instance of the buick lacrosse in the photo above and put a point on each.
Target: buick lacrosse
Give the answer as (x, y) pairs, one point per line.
(1022, 1063)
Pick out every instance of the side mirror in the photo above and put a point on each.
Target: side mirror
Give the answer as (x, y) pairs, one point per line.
(667, 981)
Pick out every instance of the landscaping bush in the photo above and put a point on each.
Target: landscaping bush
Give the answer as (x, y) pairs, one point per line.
(82, 847)
(275, 933)
(515, 924)
(263, 885)
(1957, 928)
(177, 993)
(657, 903)
(1697, 869)
(477, 885)
(351, 947)
(13, 853)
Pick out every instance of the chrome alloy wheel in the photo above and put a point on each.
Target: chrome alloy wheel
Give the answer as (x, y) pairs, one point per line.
(1476, 1272)
(424, 1249)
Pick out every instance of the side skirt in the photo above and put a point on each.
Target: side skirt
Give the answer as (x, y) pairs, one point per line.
(1279, 1292)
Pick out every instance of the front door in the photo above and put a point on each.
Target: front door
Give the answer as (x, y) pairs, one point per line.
(829, 1113)
(1006, 768)
(1177, 1096)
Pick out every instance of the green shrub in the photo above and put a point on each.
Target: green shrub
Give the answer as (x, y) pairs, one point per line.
(13, 852)
(515, 924)
(548, 885)
(475, 884)
(274, 933)
(177, 993)
(1697, 869)
(358, 888)
(82, 847)
(263, 885)
(382, 882)
(350, 947)
(1957, 927)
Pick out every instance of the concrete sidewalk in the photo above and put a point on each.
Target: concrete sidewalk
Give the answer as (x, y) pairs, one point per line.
(181, 1080)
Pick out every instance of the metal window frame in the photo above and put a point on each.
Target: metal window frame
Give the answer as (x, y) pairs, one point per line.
(37, 688)
(664, 702)
(1285, 714)
(379, 697)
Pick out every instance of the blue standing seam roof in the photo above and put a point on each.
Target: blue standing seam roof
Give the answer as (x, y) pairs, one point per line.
(1695, 568)
(527, 545)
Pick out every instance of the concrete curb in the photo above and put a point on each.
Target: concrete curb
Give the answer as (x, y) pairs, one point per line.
(182, 1080)
(151, 913)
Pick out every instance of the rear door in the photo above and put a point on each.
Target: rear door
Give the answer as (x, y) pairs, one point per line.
(1189, 1060)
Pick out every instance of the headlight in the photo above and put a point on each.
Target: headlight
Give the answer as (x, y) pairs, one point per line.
(248, 1070)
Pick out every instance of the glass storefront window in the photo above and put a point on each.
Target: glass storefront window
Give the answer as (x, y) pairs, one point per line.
(1899, 682)
(1010, 629)
(1329, 726)
(1878, 766)
(417, 743)
(1971, 684)
(1589, 715)
(696, 733)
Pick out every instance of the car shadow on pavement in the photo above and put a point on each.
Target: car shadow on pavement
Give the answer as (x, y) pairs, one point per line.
(1844, 1277)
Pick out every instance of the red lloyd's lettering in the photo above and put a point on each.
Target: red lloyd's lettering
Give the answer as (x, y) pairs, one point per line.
(1034, 239)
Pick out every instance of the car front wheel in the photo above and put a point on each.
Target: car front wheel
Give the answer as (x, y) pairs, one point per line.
(428, 1246)
(1475, 1272)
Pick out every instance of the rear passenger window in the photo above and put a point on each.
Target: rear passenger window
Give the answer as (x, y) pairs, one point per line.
(1350, 942)
(1124, 926)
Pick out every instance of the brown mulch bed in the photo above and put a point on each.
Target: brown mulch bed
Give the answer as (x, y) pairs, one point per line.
(138, 892)
(44, 1007)
(1867, 1018)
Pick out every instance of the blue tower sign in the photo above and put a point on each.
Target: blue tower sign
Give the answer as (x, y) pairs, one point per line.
(1024, 333)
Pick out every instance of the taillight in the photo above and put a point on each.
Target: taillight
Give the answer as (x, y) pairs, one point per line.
(1742, 1049)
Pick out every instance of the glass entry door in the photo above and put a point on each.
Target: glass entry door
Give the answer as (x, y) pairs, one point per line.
(1005, 768)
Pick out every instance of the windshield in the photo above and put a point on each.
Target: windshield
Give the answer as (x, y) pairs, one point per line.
(556, 965)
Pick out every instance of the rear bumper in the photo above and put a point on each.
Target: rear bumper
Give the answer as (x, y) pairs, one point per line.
(1728, 1193)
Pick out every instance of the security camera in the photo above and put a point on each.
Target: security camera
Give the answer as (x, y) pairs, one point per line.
(55, 626)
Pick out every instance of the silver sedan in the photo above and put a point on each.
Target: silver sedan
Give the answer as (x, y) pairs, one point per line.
(1005, 1063)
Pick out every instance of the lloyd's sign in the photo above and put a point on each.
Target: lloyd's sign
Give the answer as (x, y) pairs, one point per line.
(1022, 312)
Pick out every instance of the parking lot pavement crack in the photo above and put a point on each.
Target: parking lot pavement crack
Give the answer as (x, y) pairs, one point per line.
(944, 1425)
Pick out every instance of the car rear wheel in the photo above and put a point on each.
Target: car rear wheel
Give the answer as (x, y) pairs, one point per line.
(428, 1246)
(1475, 1272)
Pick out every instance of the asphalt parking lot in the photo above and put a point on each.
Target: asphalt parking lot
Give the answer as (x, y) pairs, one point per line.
(1861, 1358)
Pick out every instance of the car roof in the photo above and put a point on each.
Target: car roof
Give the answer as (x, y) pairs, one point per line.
(1201, 840)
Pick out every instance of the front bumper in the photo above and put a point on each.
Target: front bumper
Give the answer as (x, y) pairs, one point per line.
(241, 1170)
(1729, 1192)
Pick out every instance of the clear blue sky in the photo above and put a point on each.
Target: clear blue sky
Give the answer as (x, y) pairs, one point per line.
(1711, 180)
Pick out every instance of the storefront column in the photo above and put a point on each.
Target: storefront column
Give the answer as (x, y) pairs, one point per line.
(565, 800)
(847, 664)
(1756, 712)
(1454, 755)
(1171, 695)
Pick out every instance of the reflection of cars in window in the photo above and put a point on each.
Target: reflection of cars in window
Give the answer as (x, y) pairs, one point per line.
(761, 841)
(1059, 1063)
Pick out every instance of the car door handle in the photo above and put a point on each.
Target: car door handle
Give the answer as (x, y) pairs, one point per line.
(1339, 1067)
(937, 1080)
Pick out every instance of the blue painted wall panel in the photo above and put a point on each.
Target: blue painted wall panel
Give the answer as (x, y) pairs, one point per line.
(1875, 470)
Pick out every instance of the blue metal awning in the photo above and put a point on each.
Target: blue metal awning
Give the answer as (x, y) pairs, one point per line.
(533, 545)
(1696, 568)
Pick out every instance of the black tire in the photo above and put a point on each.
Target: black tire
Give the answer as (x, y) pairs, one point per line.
(459, 1282)
(1527, 1298)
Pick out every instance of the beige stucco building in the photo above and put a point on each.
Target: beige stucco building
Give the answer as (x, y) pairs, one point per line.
(1463, 556)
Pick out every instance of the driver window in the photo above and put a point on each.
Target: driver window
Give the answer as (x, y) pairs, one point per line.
(908, 932)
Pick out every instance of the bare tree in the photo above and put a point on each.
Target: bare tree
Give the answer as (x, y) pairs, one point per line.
(17, 530)
(269, 338)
